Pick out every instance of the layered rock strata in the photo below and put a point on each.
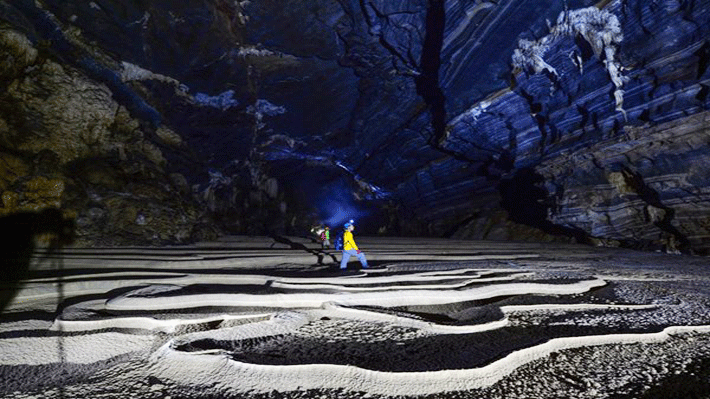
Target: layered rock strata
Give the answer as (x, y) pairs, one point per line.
(646, 187)
(455, 116)
(599, 87)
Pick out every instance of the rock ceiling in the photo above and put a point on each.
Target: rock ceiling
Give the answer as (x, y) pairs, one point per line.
(504, 119)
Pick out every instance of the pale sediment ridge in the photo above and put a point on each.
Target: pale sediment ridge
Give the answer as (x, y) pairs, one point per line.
(260, 378)
(413, 328)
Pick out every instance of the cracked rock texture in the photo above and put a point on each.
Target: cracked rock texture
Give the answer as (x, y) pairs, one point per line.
(525, 120)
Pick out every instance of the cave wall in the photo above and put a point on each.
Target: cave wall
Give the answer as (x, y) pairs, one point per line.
(66, 143)
(646, 188)
(644, 135)
(563, 120)
(640, 184)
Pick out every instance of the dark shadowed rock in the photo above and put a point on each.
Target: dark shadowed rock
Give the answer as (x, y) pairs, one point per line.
(426, 113)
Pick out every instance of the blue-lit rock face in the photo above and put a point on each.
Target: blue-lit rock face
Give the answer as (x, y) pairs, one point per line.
(545, 120)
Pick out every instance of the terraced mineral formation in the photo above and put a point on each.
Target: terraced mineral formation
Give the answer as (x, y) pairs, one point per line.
(145, 126)
(254, 318)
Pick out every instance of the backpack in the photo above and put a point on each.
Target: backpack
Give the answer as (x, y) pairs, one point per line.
(339, 241)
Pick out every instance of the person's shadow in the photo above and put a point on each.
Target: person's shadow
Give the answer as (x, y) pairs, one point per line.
(17, 245)
(320, 255)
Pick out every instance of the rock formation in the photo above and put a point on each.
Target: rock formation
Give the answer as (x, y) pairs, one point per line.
(563, 120)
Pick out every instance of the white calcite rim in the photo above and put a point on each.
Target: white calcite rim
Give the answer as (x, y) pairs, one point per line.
(399, 297)
(353, 336)
(221, 371)
(406, 330)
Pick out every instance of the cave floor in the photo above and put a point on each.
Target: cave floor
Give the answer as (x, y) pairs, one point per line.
(259, 317)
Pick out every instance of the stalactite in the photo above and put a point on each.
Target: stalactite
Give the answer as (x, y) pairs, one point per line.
(600, 28)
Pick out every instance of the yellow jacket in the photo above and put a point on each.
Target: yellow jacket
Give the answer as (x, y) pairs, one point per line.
(349, 241)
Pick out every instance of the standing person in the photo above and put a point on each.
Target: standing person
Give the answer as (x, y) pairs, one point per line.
(317, 231)
(325, 237)
(350, 248)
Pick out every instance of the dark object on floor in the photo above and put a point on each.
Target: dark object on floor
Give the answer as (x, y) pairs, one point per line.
(17, 244)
